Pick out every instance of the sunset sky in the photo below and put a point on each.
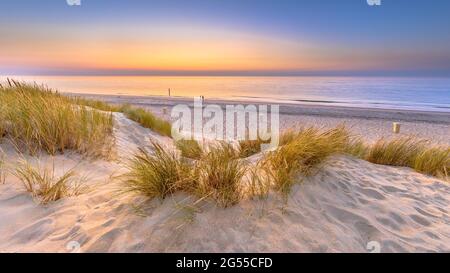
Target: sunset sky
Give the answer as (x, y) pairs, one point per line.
(227, 37)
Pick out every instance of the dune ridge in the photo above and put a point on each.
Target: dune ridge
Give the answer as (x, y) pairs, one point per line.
(348, 204)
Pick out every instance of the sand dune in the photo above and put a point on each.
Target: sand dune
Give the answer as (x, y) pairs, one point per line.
(349, 205)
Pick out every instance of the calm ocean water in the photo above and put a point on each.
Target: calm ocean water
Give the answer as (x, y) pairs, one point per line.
(432, 94)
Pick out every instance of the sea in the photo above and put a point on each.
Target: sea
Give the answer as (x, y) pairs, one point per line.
(425, 94)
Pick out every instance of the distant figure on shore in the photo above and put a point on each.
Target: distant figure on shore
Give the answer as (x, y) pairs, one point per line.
(169, 92)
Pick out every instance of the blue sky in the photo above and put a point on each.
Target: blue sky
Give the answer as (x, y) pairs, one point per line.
(400, 37)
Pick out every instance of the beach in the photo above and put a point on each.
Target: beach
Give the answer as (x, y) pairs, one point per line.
(348, 205)
(231, 128)
(370, 123)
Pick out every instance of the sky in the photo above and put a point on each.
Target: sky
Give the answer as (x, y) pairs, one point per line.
(225, 37)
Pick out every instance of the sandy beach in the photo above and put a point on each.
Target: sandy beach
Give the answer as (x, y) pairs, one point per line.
(350, 205)
(224, 131)
(370, 123)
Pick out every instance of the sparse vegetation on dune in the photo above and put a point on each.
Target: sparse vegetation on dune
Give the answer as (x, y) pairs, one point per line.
(43, 183)
(396, 152)
(147, 120)
(356, 147)
(156, 175)
(433, 161)
(97, 104)
(302, 153)
(217, 174)
(419, 155)
(190, 148)
(250, 147)
(258, 183)
(140, 115)
(220, 175)
(36, 118)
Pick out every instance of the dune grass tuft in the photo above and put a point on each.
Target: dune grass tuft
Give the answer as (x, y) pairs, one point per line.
(356, 147)
(190, 149)
(155, 175)
(413, 153)
(248, 148)
(147, 120)
(43, 184)
(302, 154)
(259, 184)
(396, 152)
(140, 115)
(433, 161)
(36, 118)
(215, 174)
(97, 104)
(220, 175)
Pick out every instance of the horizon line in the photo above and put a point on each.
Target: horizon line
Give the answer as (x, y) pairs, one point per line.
(225, 73)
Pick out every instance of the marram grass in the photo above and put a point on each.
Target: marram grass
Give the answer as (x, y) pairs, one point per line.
(217, 174)
(396, 152)
(417, 154)
(190, 149)
(147, 119)
(143, 117)
(45, 185)
(248, 148)
(157, 174)
(96, 104)
(36, 118)
(433, 161)
(220, 175)
(302, 153)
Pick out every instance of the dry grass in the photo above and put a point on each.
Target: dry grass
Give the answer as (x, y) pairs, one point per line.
(147, 120)
(288, 136)
(140, 115)
(220, 175)
(190, 149)
(356, 147)
(97, 104)
(413, 153)
(259, 184)
(216, 174)
(248, 148)
(156, 175)
(36, 118)
(433, 161)
(302, 154)
(396, 152)
(43, 184)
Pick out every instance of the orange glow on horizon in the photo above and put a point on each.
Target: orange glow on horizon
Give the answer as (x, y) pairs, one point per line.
(175, 48)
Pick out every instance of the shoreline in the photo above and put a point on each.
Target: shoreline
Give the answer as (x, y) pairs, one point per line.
(346, 203)
(370, 124)
(409, 115)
